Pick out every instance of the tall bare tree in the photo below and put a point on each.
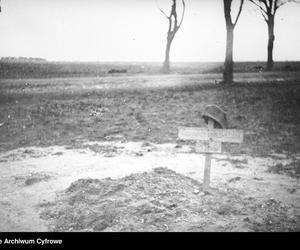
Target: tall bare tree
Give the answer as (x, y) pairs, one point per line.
(268, 9)
(173, 27)
(230, 25)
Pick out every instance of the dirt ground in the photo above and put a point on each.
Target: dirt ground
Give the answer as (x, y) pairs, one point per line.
(123, 186)
(102, 154)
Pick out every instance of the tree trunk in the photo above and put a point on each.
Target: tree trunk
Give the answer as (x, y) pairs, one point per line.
(228, 65)
(166, 66)
(271, 39)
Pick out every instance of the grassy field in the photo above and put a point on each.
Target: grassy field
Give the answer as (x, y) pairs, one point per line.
(46, 124)
(94, 69)
(64, 111)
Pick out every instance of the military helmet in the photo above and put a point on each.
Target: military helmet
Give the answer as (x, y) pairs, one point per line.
(217, 115)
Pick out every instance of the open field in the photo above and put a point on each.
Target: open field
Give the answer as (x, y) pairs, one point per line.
(55, 131)
(95, 69)
(63, 111)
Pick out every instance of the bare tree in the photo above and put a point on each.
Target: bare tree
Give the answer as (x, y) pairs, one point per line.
(268, 9)
(230, 25)
(173, 27)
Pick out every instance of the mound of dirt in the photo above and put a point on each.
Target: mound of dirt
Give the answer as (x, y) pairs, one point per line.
(161, 200)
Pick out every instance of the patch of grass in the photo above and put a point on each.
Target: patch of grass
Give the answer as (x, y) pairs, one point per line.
(292, 169)
(35, 178)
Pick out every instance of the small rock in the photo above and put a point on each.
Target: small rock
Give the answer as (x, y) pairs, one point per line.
(247, 219)
(58, 153)
(291, 190)
(224, 209)
(196, 191)
(207, 192)
(139, 154)
(109, 155)
(234, 179)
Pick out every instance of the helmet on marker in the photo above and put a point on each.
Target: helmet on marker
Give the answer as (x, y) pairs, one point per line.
(218, 115)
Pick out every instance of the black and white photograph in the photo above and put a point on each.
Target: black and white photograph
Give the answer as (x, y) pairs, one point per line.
(149, 116)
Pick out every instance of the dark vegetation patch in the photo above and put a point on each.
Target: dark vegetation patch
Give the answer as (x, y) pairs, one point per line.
(31, 179)
(117, 71)
(291, 169)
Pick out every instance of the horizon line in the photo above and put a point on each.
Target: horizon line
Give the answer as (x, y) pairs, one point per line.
(125, 61)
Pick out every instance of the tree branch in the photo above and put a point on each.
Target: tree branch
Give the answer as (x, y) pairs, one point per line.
(227, 11)
(264, 16)
(265, 2)
(271, 2)
(264, 12)
(177, 26)
(271, 6)
(173, 18)
(267, 6)
(174, 12)
(280, 4)
(259, 6)
(239, 13)
(275, 6)
(183, 11)
(164, 13)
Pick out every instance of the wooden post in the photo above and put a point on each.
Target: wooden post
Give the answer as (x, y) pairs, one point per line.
(207, 166)
(209, 141)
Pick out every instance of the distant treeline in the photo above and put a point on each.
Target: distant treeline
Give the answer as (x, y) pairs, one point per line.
(68, 69)
(22, 59)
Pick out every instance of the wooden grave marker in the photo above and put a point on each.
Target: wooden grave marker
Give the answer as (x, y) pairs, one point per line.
(209, 140)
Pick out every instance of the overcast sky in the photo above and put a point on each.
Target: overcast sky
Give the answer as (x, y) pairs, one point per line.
(135, 30)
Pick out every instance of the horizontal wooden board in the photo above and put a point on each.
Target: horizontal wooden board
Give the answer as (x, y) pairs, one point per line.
(205, 134)
(208, 147)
